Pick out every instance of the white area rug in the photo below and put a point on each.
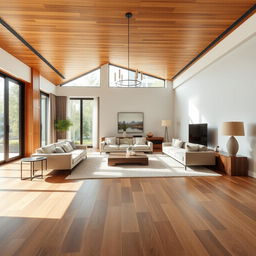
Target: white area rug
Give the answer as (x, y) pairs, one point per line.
(96, 166)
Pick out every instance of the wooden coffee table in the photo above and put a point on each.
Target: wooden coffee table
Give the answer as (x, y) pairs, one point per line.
(120, 158)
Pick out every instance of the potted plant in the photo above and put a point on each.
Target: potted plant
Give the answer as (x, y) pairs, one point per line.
(62, 127)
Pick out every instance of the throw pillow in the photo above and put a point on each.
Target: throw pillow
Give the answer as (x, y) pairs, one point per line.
(110, 140)
(67, 147)
(140, 141)
(48, 149)
(59, 150)
(177, 143)
(192, 147)
(72, 144)
(124, 141)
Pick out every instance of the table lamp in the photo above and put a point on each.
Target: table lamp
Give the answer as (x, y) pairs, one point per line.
(232, 129)
(166, 123)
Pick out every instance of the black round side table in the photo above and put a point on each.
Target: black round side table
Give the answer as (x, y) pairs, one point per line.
(32, 161)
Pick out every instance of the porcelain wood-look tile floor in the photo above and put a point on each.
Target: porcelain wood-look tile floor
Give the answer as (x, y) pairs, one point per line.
(133, 216)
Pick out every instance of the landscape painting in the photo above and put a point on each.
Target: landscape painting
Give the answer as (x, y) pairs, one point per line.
(130, 122)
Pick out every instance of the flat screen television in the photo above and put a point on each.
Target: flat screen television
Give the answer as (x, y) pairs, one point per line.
(198, 134)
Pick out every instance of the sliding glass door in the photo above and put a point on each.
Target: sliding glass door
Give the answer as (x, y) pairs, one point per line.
(44, 100)
(11, 109)
(14, 140)
(81, 115)
(2, 124)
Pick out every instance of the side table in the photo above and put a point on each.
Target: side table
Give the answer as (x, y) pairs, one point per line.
(157, 142)
(232, 165)
(32, 161)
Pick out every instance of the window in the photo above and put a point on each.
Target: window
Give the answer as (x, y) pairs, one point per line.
(44, 118)
(11, 119)
(147, 81)
(91, 79)
(81, 115)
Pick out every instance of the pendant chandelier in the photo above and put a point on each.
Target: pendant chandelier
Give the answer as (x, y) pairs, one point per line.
(138, 76)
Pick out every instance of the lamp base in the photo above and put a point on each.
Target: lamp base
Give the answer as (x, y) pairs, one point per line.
(232, 146)
(166, 135)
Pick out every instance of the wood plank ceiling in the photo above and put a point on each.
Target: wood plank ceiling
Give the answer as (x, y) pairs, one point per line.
(80, 35)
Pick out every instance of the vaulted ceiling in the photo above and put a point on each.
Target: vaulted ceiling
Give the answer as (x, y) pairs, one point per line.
(79, 35)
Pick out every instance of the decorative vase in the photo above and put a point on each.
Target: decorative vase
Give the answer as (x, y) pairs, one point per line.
(124, 134)
(232, 146)
(128, 153)
(150, 134)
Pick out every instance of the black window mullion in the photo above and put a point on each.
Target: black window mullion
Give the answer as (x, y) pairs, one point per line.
(21, 119)
(81, 121)
(46, 111)
(6, 118)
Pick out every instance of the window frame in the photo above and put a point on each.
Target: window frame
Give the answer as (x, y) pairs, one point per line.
(46, 117)
(133, 87)
(21, 85)
(81, 99)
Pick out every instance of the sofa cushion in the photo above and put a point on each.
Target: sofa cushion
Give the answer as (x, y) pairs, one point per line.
(78, 152)
(192, 147)
(48, 149)
(77, 155)
(59, 150)
(202, 148)
(111, 148)
(123, 146)
(140, 140)
(67, 147)
(127, 141)
(72, 144)
(110, 140)
(141, 147)
(39, 150)
(177, 153)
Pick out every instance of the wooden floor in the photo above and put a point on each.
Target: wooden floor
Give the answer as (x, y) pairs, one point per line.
(137, 216)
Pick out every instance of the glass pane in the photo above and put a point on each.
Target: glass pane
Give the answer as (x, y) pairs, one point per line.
(44, 119)
(91, 79)
(117, 73)
(1, 118)
(14, 120)
(75, 119)
(150, 81)
(87, 122)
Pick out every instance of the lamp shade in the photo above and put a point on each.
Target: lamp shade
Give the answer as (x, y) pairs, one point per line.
(166, 123)
(233, 128)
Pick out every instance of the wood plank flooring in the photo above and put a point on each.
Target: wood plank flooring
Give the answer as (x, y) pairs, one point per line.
(137, 216)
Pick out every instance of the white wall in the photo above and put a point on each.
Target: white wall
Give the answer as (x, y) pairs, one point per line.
(12, 66)
(46, 86)
(223, 91)
(156, 103)
(15, 67)
(238, 36)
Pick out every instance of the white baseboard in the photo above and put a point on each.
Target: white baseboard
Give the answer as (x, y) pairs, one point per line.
(252, 174)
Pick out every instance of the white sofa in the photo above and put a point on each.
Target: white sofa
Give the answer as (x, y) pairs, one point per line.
(118, 144)
(64, 160)
(189, 154)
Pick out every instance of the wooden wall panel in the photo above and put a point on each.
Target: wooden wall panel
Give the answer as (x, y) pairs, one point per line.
(32, 114)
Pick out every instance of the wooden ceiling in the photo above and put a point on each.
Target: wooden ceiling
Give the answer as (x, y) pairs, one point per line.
(80, 35)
